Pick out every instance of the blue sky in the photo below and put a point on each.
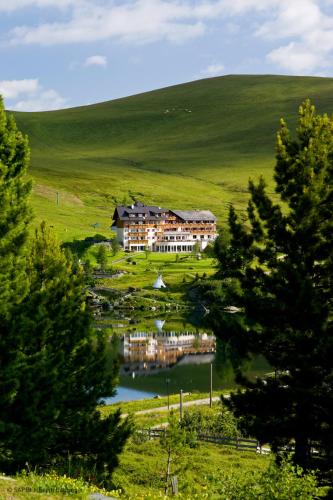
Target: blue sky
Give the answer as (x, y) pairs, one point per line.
(63, 53)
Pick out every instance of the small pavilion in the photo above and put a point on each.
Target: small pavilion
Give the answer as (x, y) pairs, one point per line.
(159, 283)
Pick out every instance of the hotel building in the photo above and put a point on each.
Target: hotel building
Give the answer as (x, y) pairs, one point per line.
(139, 227)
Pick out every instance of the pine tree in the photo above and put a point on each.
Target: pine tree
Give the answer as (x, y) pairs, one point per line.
(278, 270)
(63, 371)
(53, 367)
(102, 256)
(14, 219)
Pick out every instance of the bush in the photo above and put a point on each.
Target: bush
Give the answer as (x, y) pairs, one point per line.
(283, 482)
(58, 484)
(215, 421)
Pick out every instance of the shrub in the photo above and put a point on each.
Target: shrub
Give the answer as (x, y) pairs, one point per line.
(283, 482)
(216, 421)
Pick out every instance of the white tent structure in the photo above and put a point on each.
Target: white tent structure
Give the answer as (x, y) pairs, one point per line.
(159, 283)
(159, 323)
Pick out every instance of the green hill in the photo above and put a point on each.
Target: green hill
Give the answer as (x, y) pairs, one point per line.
(189, 146)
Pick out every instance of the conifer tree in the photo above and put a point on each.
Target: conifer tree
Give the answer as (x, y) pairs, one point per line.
(63, 371)
(14, 219)
(278, 270)
(53, 366)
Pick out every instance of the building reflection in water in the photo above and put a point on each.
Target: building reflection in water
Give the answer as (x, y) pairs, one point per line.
(144, 352)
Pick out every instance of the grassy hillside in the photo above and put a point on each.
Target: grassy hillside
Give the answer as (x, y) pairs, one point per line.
(189, 146)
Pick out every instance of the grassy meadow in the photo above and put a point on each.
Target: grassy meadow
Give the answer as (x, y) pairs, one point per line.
(142, 269)
(140, 475)
(193, 145)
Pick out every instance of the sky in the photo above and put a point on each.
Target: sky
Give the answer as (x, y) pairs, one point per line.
(64, 53)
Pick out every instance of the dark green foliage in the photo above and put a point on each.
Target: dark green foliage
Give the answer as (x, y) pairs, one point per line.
(53, 365)
(279, 483)
(63, 370)
(115, 245)
(80, 247)
(102, 256)
(14, 219)
(278, 271)
(212, 421)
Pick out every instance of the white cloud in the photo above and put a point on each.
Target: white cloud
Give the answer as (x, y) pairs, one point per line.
(212, 70)
(33, 97)
(45, 100)
(12, 5)
(292, 18)
(301, 30)
(140, 21)
(132, 20)
(10, 89)
(296, 58)
(310, 30)
(96, 61)
(232, 28)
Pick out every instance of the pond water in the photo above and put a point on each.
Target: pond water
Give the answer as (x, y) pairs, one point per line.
(128, 394)
(166, 354)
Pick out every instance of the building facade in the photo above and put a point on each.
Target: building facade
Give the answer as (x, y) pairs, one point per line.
(144, 352)
(139, 227)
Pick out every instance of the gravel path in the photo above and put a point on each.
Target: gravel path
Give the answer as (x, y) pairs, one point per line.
(174, 406)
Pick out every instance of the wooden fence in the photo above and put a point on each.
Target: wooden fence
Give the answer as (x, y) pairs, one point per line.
(239, 443)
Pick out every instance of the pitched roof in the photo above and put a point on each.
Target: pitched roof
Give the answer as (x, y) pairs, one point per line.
(194, 215)
(151, 212)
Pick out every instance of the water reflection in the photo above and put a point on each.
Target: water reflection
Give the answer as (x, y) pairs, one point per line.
(166, 354)
(144, 352)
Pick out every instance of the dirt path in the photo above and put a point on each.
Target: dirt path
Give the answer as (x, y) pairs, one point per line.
(125, 258)
(174, 406)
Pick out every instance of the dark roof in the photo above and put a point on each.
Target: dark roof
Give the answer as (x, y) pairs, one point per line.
(150, 212)
(194, 215)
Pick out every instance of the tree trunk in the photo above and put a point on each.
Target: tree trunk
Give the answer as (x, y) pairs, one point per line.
(167, 477)
(302, 451)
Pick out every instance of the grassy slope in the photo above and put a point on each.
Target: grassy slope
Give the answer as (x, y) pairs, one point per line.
(98, 155)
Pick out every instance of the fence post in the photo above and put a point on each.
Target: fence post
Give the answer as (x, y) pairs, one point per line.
(174, 484)
(181, 404)
(211, 386)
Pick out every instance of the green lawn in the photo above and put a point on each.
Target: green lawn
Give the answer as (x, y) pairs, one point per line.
(189, 146)
(179, 273)
(142, 271)
(142, 470)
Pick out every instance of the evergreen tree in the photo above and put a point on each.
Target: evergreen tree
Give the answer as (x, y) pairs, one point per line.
(53, 366)
(63, 371)
(102, 256)
(14, 219)
(278, 269)
(115, 245)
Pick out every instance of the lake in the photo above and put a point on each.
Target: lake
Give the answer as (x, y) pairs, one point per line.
(128, 394)
(165, 359)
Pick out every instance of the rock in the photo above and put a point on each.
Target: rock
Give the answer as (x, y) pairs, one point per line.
(99, 496)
